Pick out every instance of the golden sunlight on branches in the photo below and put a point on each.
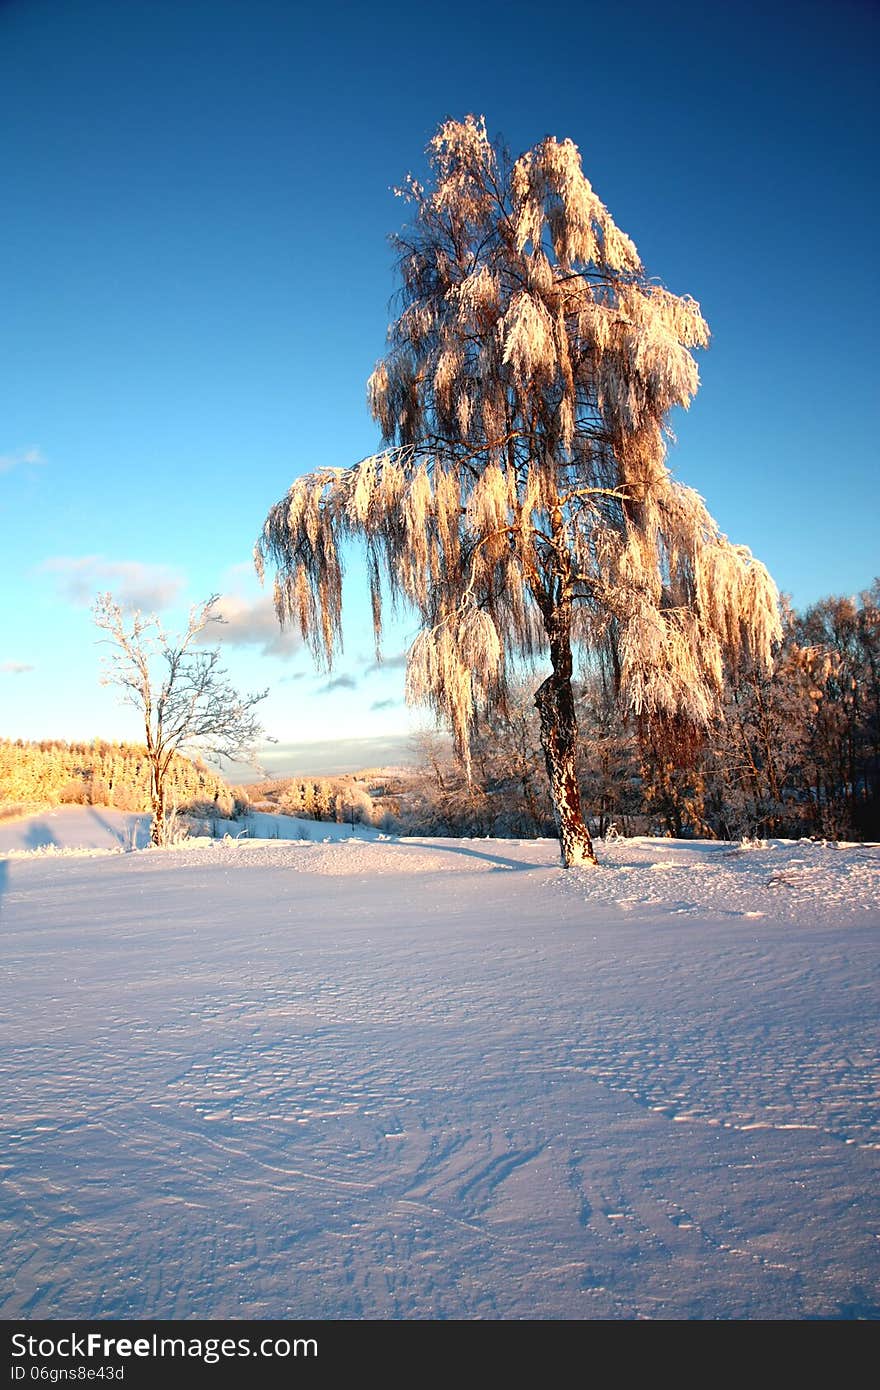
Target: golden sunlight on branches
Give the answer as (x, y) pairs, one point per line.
(522, 503)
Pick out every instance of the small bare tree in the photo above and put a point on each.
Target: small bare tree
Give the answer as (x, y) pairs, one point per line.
(522, 503)
(181, 692)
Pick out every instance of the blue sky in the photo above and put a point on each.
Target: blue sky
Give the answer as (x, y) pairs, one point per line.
(195, 280)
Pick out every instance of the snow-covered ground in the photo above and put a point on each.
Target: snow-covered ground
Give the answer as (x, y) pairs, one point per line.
(375, 1078)
(78, 829)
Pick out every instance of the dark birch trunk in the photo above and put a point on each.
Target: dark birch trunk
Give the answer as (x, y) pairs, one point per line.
(555, 703)
(158, 828)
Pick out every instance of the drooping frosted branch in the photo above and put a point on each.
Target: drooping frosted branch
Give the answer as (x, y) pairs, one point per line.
(524, 404)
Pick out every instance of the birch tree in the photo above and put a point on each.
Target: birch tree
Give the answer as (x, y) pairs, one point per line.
(521, 502)
(180, 691)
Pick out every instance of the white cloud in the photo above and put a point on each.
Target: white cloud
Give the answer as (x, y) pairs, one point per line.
(251, 623)
(20, 457)
(15, 668)
(132, 584)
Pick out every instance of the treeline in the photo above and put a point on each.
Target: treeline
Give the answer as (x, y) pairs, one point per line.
(54, 772)
(797, 752)
(347, 799)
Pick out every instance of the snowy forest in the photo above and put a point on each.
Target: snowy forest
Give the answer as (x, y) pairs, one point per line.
(54, 772)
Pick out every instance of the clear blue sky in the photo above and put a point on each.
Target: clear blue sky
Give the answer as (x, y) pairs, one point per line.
(195, 282)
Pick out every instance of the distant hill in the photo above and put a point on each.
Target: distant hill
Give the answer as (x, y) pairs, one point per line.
(54, 773)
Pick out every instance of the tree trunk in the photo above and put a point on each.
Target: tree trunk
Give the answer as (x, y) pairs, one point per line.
(158, 827)
(555, 703)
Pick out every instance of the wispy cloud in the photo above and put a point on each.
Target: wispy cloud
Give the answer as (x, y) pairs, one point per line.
(21, 457)
(15, 668)
(338, 683)
(252, 623)
(133, 584)
(384, 704)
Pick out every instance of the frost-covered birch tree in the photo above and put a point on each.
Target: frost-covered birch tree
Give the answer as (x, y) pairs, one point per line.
(180, 691)
(521, 501)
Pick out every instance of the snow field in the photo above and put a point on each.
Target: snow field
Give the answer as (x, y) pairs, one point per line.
(430, 1079)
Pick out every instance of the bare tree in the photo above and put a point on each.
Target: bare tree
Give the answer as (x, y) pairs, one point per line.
(181, 692)
(522, 503)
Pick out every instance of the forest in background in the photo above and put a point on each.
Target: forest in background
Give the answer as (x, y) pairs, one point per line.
(53, 772)
(797, 753)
